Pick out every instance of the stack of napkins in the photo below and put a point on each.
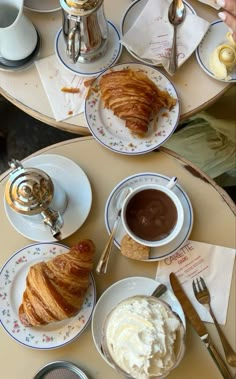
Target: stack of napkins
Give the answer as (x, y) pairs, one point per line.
(151, 36)
(66, 91)
(213, 263)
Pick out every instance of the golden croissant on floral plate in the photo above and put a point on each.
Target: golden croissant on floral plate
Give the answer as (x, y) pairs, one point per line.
(55, 289)
(133, 97)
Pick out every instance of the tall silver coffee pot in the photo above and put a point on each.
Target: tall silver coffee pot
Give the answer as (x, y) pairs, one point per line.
(85, 29)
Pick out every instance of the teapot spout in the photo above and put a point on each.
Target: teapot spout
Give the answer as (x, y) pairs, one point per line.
(54, 220)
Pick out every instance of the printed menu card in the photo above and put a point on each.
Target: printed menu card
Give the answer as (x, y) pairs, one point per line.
(213, 263)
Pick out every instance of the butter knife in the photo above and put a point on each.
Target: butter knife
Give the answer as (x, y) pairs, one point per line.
(198, 325)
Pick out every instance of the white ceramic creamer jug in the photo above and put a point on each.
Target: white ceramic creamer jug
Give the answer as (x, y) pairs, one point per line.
(18, 36)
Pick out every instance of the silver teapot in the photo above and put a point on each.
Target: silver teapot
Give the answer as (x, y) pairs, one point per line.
(30, 191)
(85, 29)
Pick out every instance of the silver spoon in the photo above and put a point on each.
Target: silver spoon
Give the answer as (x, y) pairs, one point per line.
(176, 15)
(103, 261)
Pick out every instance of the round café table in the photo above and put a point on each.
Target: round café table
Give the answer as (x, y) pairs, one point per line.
(24, 89)
(214, 223)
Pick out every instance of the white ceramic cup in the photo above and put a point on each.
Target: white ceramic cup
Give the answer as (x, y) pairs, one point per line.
(18, 36)
(153, 213)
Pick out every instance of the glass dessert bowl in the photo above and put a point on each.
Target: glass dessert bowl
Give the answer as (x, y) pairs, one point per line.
(143, 338)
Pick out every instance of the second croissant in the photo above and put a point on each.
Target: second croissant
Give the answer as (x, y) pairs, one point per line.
(55, 290)
(133, 97)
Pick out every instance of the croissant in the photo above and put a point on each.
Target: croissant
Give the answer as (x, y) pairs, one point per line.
(133, 97)
(55, 289)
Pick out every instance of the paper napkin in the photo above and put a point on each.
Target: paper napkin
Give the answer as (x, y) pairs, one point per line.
(56, 79)
(213, 263)
(212, 3)
(151, 35)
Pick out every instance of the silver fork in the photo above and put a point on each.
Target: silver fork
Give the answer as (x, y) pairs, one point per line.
(202, 294)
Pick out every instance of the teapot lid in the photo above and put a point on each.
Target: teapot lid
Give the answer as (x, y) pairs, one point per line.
(28, 190)
(80, 7)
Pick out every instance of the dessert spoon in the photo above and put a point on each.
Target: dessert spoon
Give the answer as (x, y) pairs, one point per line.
(159, 291)
(176, 15)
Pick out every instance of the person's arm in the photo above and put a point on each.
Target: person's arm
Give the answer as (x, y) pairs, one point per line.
(228, 14)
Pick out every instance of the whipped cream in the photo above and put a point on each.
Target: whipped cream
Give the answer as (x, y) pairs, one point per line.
(141, 337)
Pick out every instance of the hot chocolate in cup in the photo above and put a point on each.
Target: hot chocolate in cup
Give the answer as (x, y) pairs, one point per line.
(152, 215)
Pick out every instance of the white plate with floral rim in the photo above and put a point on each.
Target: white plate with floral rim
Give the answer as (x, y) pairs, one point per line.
(97, 66)
(42, 6)
(133, 181)
(72, 179)
(129, 18)
(121, 290)
(110, 130)
(12, 286)
(215, 36)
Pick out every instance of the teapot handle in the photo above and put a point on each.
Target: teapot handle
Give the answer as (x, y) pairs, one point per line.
(71, 49)
(15, 164)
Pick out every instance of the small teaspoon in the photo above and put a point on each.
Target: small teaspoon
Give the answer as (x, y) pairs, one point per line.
(103, 261)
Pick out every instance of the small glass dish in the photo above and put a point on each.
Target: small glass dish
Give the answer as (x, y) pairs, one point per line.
(134, 331)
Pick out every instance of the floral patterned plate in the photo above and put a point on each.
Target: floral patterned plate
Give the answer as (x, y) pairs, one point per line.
(12, 285)
(111, 132)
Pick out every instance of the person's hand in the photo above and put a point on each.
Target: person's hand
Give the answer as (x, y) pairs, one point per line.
(228, 14)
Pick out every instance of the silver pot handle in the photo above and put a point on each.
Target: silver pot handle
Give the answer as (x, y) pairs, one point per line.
(71, 49)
